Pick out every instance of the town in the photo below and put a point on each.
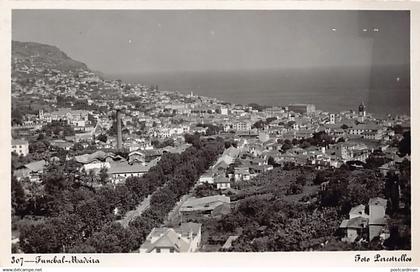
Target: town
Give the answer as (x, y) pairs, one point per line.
(106, 166)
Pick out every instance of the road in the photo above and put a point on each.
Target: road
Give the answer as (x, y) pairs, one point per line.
(131, 215)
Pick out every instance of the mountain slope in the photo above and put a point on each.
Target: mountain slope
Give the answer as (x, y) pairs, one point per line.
(44, 56)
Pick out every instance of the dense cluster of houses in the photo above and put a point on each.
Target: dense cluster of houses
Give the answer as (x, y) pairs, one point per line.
(149, 115)
(117, 167)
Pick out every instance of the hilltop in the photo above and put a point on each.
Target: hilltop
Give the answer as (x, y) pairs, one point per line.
(44, 56)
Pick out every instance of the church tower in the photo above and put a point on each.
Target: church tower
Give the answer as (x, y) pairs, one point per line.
(41, 114)
(362, 110)
(332, 118)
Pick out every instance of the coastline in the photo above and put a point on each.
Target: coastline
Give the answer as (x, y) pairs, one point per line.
(273, 89)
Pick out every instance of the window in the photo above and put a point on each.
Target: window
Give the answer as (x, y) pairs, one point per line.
(157, 250)
(171, 250)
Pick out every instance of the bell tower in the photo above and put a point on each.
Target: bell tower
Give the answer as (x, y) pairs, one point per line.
(362, 109)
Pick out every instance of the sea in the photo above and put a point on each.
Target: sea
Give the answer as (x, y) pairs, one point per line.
(384, 90)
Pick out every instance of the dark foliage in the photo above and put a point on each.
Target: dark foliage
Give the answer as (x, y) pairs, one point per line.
(80, 219)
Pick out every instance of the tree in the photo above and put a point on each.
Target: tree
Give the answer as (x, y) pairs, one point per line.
(163, 199)
(231, 143)
(320, 178)
(301, 180)
(392, 191)
(38, 147)
(405, 183)
(289, 166)
(259, 124)
(82, 248)
(18, 197)
(341, 140)
(376, 160)
(294, 189)
(287, 145)
(398, 129)
(337, 245)
(39, 238)
(140, 187)
(126, 238)
(126, 199)
(142, 225)
(404, 147)
(17, 116)
(165, 143)
(272, 161)
(193, 139)
(395, 240)
(92, 215)
(92, 119)
(55, 180)
(305, 144)
(103, 175)
(333, 194)
(290, 123)
(77, 147)
(58, 128)
(270, 119)
(321, 138)
(204, 190)
(82, 215)
(103, 138)
(69, 230)
(104, 242)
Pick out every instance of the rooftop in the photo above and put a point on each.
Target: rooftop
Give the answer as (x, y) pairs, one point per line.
(125, 167)
(19, 142)
(229, 241)
(186, 228)
(36, 166)
(98, 155)
(355, 223)
(164, 238)
(358, 209)
(204, 203)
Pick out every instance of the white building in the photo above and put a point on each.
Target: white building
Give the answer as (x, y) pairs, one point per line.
(222, 182)
(186, 238)
(377, 208)
(20, 147)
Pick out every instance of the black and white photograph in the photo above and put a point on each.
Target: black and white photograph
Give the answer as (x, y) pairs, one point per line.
(201, 130)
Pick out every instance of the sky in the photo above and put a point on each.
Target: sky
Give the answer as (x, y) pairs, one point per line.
(155, 41)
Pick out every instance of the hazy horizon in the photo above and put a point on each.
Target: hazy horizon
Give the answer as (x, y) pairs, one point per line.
(335, 58)
(330, 90)
(156, 41)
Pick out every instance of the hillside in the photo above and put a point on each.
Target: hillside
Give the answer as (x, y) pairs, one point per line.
(43, 56)
(42, 72)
